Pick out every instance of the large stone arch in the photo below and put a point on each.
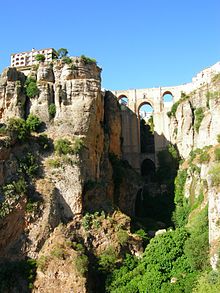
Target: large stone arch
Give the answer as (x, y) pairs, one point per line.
(167, 92)
(123, 99)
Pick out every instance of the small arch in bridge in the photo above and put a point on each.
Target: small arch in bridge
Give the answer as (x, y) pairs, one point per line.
(123, 100)
(145, 111)
(148, 169)
(167, 96)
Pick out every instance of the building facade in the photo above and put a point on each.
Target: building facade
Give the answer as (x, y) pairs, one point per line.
(24, 59)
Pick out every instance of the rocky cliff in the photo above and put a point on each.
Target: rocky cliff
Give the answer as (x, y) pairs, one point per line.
(58, 180)
(195, 132)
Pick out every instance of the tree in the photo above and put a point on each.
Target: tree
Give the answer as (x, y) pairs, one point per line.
(62, 52)
(40, 57)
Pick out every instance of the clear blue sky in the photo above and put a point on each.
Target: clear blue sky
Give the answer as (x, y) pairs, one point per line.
(138, 43)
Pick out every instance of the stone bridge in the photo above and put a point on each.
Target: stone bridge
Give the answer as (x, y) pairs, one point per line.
(134, 100)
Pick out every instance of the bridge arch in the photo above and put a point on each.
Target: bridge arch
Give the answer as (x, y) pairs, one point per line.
(148, 169)
(167, 96)
(123, 100)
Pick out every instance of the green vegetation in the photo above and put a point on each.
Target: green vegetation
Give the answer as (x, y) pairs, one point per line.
(44, 142)
(52, 110)
(107, 260)
(218, 138)
(122, 236)
(63, 147)
(172, 262)
(208, 282)
(33, 122)
(40, 58)
(216, 78)
(204, 158)
(12, 192)
(31, 87)
(62, 52)
(67, 60)
(17, 276)
(28, 165)
(78, 145)
(91, 220)
(215, 174)
(81, 263)
(217, 154)
(182, 209)
(174, 107)
(88, 60)
(212, 95)
(199, 115)
(17, 129)
(54, 163)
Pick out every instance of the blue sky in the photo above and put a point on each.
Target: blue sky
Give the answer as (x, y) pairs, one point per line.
(138, 44)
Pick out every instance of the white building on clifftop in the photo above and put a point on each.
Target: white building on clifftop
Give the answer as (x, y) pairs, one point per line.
(24, 59)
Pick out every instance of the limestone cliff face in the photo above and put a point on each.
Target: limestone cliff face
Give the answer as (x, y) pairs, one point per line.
(67, 186)
(195, 126)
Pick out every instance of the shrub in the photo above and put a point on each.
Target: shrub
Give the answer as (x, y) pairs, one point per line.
(44, 142)
(18, 129)
(88, 60)
(122, 236)
(31, 87)
(42, 262)
(216, 77)
(62, 52)
(58, 252)
(52, 110)
(67, 60)
(215, 175)
(197, 245)
(28, 165)
(81, 263)
(54, 163)
(63, 147)
(78, 145)
(3, 129)
(107, 260)
(199, 115)
(33, 122)
(40, 57)
(204, 157)
(218, 138)
(208, 282)
(217, 154)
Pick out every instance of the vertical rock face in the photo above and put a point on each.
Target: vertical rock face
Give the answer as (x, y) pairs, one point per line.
(195, 125)
(12, 98)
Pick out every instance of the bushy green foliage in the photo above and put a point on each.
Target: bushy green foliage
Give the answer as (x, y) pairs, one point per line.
(31, 87)
(217, 154)
(40, 57)
(215, 174)
(17, 276)
(63, 147)
(17, 129)
(54, 163)
(174, 107)
(197, 245)
(216, 78)
(199, 115)
(52, 110)
(122, 236)
(67, 60)
(44, 142)
(33, 122)
(88, 60)
(182, 208)
(81, 263)
(28, 165)
(62, 52)
(218, 138)
(78, 145)
(204, 158)
(107, 260)
(162, 260)
(208, 282)
(12, 192)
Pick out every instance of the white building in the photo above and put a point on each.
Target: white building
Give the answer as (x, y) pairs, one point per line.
(24, 59)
